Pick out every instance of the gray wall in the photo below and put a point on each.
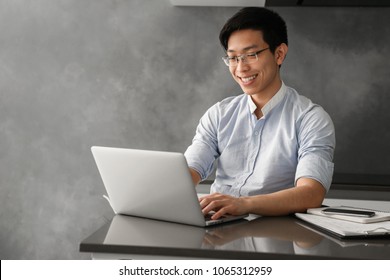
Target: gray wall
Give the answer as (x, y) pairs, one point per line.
(129, 73)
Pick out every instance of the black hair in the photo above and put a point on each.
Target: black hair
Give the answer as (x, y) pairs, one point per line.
(272, 26)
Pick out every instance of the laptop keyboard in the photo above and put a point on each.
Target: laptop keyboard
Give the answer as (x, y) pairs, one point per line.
(208, 216)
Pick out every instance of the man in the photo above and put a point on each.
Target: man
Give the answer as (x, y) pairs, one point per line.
(274, 147)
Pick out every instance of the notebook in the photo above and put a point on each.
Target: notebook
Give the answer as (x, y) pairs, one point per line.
(347, 229)
(379, 216)
(151, 184)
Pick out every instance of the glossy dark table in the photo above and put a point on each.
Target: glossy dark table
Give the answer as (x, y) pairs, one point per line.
(127, 237)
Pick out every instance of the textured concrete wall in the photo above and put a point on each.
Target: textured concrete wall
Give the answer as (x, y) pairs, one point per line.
(139, 74)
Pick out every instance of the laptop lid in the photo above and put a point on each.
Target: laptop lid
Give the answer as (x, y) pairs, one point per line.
(150, 184)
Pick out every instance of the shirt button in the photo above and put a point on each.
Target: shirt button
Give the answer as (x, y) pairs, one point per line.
(256, 133)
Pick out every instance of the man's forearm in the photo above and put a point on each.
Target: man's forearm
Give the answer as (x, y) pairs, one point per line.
(307, 194)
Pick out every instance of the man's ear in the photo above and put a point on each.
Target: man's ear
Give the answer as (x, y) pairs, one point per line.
(280, 53)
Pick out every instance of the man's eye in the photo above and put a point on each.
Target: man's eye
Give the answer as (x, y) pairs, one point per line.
(251, 55)
(232, 58)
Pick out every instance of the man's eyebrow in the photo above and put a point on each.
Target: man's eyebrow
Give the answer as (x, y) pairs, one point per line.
(244, 49)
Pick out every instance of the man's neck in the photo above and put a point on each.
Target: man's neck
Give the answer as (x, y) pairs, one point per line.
(262, 98)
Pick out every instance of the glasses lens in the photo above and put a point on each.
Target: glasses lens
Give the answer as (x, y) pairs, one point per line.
(250, 58)
(245, 58)
(229, 61)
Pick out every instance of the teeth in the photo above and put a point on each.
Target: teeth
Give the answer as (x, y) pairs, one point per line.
(247, 79)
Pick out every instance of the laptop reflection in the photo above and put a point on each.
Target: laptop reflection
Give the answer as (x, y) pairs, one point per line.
(134, 231)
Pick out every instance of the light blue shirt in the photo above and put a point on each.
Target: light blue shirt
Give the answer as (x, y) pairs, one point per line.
(295, 138)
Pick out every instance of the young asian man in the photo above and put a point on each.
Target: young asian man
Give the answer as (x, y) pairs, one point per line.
(274, 147)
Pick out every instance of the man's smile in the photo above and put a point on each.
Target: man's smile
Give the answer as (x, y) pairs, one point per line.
(247, 79)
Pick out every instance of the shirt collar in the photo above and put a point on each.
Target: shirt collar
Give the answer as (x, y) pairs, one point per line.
(271, 103)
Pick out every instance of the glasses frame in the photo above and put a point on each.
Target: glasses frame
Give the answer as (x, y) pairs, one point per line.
(242, 57)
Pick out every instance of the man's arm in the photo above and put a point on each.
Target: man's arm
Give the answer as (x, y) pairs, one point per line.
(195, 176)
(308, 193)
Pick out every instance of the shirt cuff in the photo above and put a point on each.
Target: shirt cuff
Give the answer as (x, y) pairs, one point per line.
(317, 168)
(201, 159)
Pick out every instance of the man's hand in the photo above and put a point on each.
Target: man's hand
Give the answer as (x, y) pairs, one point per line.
(307, 194)
(223, 204)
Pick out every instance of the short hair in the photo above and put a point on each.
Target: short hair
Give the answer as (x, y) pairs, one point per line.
(272, 26)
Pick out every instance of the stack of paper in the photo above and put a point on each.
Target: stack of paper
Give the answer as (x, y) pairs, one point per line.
(345, 228)
(348, 226)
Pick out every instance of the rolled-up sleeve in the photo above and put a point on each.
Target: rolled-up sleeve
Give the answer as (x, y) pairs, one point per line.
(316, 147)
(315, 167)
(203, 151)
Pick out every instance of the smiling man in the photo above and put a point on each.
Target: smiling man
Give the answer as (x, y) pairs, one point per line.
(274, 147)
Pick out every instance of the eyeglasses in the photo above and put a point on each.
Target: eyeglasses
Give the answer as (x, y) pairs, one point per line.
(247, 58)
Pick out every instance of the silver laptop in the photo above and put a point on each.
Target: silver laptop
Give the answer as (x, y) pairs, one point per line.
(151, 184)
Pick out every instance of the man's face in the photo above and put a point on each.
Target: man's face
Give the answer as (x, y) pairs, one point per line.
(260, 77)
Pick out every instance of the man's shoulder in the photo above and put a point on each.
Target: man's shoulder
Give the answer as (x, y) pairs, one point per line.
(227, 107)
(297, 99)
(232, 102)
(300, 102)
(302, 106)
